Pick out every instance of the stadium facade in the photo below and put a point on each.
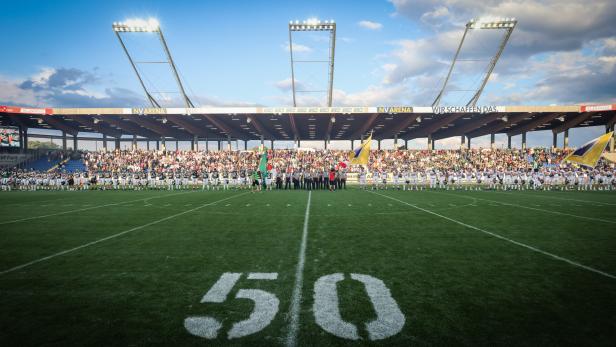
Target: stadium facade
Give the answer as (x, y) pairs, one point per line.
(400, 123)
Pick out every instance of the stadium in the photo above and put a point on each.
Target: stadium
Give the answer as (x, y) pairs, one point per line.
(329, 220)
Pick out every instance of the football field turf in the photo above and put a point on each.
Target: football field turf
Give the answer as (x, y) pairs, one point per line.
(309, 269)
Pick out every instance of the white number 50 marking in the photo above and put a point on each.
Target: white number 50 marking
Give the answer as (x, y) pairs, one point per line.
(389, 319)
(265, 309)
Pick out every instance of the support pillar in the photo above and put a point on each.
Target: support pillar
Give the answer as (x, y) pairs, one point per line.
(147, 144)
(134, 146)
(218, 145)
(299, 144)
(462, 141)
(352, 144)
(192, 145)
(508, 141)
(207, 145)
(492, 140)
(406, 144)
(163, 144)
(468, 143)
(196, 140)
(379, 142)
(75, 142)
(117, 143)
(157, 145)
(25, 138)
(430, 143)
(245, 145)
(554, 140)
(177, 145)
(229, 142)
(325, 143)
(272, 142)
(524, 140)
(396, 142)
(105, 142)
(262, 144)
(64, 140)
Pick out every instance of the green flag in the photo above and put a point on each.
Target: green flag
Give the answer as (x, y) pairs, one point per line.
(263, 162)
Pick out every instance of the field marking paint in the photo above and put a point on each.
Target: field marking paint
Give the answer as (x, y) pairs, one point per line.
(265, 309)
(219, 291)
(84, 209)
(530, 193)
(389, 319)
(296, 297)
(539, 209)
(113, 236)
(326, 308)
(568, 261)
(263, 276)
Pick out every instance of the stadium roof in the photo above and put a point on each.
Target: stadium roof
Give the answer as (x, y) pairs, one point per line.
(310, 123)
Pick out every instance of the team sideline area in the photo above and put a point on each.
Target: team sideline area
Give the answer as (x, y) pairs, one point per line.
(354, 267)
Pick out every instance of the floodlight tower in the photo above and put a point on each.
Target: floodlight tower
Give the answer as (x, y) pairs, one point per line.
(149, 26)
(506, 24)
(314, 25)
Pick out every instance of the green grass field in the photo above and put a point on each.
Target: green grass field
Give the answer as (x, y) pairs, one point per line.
(444, 267)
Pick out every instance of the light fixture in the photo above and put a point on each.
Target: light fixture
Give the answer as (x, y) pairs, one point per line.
(418, 119)
(96, 120)
(561, 118)
(505, 119)
(333, 119)
(164, 120)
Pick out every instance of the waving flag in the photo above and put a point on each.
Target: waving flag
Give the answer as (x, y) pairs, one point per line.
(590, 152)
(360, 155)
(263, 162)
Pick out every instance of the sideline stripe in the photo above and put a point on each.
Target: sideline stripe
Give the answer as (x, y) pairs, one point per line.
(571, 262)
(113, 236)
(518, 193)
(296, 298)
(537, 209)
(87, 208)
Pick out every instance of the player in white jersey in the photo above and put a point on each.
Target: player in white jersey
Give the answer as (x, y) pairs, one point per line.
(362, 179)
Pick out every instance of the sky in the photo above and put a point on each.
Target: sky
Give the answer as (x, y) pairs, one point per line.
(388, 52)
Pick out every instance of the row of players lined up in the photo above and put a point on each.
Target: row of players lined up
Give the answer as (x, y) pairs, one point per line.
(312, 179)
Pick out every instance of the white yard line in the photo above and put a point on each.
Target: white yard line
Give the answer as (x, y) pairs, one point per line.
(535, 249)
(296, 298)
(85, 209)
(536, 209)
(530, 193)
(19, 267)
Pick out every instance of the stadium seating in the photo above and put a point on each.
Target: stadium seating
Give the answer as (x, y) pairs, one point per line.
(74, 165)
(41, 164)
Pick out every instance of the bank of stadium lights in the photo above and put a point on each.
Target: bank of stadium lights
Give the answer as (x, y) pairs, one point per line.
(137, 25)
(312, 25)
(491, 23)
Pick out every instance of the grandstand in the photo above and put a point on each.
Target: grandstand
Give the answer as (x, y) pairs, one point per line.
(400, 123)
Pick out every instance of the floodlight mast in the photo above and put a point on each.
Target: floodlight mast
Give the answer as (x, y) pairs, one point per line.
(314, 25)
(508, 24)
(153, 27)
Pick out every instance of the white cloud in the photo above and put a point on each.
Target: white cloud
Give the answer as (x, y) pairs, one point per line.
(297, 48)
(370, 25)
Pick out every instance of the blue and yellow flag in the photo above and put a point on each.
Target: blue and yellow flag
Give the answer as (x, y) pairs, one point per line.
(360, 155)
(590, 152)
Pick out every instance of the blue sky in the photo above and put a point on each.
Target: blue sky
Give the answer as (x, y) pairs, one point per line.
(389, 52)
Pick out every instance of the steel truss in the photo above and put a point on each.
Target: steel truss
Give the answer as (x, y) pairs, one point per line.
(507, 24)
